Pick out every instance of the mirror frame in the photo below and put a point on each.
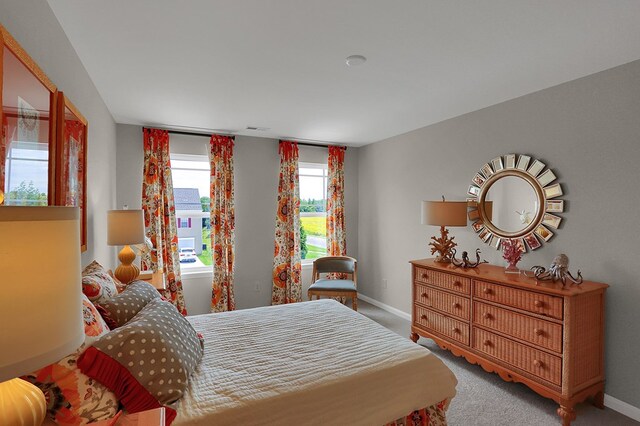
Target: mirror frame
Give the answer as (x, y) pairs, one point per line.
(541, 180)
(8, 42)
(61, 194)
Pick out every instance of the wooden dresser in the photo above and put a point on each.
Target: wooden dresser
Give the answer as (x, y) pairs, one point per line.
(537, 333)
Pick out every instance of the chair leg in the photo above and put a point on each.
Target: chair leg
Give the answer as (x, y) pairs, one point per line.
(354, 302)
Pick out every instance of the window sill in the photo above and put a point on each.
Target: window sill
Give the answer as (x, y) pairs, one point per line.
(198, 273)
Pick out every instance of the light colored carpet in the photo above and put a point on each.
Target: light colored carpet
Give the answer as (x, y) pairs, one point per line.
(485, 399)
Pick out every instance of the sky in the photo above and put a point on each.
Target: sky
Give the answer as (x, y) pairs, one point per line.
(28, 171)
(311, 187)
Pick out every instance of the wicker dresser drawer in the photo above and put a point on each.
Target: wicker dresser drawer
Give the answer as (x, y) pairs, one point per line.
(458, 306)
(527, 300)
(535, 362)
(442, 280)
(452, 328)
(537, 331)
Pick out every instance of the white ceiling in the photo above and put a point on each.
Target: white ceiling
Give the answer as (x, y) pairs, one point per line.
(230, 64)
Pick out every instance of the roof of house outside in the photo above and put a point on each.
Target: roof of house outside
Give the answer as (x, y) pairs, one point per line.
(187, 199)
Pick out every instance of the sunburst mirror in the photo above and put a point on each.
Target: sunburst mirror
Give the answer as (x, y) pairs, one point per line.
(515, 197)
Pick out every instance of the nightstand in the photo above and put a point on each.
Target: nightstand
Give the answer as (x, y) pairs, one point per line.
(156, 279)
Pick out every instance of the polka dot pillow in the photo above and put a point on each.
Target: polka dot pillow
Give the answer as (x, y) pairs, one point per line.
(124, 306)
(146, 362)
(72, 397)
(97, 284)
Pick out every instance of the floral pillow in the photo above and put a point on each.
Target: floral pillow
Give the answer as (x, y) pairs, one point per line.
(97, 284)
(72, 397)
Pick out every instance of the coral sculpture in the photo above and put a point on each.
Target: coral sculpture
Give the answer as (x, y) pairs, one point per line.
(512, 253)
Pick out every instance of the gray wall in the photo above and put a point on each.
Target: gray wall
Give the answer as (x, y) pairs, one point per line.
(36, 28)
(256, 186)
(587, 131)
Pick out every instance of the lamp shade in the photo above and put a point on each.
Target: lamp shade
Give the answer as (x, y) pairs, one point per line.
(125, 227)
(40, 282)
(444, 213)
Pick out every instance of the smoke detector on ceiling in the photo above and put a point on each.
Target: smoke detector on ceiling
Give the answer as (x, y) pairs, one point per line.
(355, 60)
(258, 129)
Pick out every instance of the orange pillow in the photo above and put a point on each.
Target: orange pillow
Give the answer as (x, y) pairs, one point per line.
(72, 397)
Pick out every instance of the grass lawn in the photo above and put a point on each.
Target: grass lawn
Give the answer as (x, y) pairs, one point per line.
(205, 256)
(314, 252)
(314, 225)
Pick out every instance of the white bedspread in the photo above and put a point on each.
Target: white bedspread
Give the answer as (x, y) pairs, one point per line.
(316, 363)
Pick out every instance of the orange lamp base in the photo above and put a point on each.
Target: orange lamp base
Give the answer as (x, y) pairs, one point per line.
(21, 403)
(126, 271)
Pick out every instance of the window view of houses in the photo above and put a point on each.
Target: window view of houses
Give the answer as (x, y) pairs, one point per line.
(191, 188)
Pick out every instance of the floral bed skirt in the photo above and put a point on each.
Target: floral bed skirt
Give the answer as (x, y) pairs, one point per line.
(429, 416)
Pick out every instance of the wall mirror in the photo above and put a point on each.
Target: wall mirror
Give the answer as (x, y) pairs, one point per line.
(71, 169)
(514, 197)
(27, 143)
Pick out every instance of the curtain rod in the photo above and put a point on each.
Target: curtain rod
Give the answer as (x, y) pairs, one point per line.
(317, 145)
(183, 132)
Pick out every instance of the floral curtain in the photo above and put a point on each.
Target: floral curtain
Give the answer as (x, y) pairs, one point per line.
(160, 215)
(287, 268)
(336, 234)
(3, 153)
(222, 223)
(72, 165)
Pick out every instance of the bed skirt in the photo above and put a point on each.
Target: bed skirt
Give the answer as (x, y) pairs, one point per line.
(434, 415)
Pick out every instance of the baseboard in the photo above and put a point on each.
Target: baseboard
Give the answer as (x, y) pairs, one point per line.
(609, 401)
(384, 306)
(622, 407)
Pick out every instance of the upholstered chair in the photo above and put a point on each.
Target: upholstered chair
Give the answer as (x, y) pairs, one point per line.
(345, 286)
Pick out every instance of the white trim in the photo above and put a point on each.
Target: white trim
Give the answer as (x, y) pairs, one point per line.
(199, 272)
(622, 407)
(395, 311)
(614, 403)
(182, 214)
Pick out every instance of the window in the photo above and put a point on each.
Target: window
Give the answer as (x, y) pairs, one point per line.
(26, 169)
(313, 210)
(184, 223)
(191, 195)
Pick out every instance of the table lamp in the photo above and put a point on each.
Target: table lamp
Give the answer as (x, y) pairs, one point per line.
(41, 305)
(125, 227)
(444, 213)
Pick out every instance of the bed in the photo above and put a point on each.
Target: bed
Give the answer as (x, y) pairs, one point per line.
(310, 363)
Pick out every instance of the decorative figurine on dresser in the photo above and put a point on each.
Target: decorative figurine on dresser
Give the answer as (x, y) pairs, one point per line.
(549, 337)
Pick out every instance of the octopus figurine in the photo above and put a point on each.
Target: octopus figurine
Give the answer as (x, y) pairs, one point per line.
(465, 262)
(558, 271)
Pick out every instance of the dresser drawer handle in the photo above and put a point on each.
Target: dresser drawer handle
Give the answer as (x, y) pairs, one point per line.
(486, 315)
(487, 342)
(424, 276)
(538, 331)
(457, 284)
(456, 305)
(423, 316)
(425, 295)
(538, 363)
(487, 291)
(538, 303)
(456, 330)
